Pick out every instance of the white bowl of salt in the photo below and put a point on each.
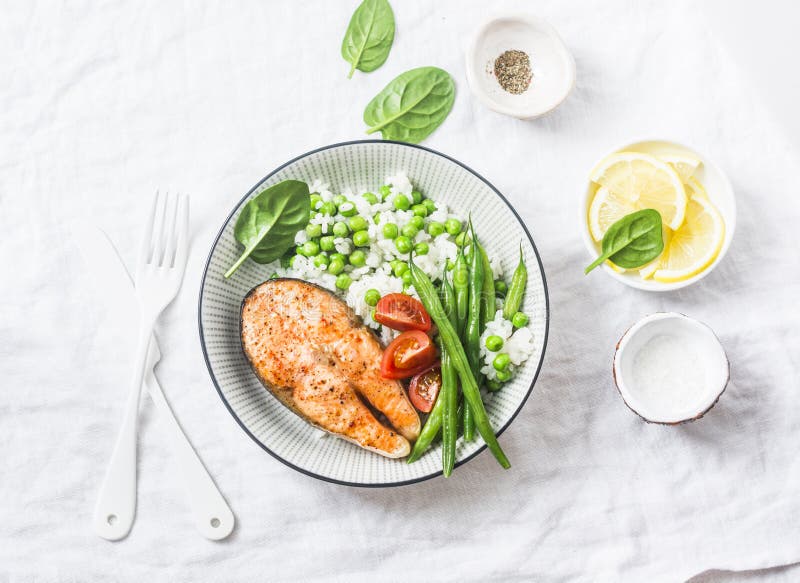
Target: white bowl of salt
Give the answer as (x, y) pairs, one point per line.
(670, 368)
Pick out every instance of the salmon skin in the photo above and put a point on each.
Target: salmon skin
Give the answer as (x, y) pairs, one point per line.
(310, 350)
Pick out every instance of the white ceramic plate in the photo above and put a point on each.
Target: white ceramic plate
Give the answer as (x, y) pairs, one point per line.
(362, 164)
(719, 191)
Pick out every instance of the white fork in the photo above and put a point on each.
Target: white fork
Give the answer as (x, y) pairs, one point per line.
(159, 272)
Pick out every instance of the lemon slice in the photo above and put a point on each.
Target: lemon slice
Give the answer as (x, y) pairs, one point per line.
(684, 165)
(695, 190)
(630, 181)
(695, 245)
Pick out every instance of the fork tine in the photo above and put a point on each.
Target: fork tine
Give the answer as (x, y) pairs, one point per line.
(171, 232)
(158, 234)
(146, 247)
(182, 222)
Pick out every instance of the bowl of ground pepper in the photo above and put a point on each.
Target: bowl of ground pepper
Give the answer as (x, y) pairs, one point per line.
(519, 66)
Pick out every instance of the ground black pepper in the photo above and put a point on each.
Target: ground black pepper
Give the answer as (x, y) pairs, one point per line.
(513, 71)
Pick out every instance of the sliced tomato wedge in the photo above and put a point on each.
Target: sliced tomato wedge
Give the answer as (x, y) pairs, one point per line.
(402, 312)
(424, 389)
(410, 353)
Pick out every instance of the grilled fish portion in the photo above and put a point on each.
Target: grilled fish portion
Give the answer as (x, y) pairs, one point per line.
(309, 350)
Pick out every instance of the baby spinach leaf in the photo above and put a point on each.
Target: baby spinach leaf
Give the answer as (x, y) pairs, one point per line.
(270, 220)
(412, 105)
(634, 240)
(369, 36)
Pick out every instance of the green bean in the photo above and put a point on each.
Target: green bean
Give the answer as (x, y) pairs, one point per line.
(472, 331)
(517, 289)
(440, 416)
(449, 391)
(461, 286)
(489, 305)
(451, 343)
(429, 431)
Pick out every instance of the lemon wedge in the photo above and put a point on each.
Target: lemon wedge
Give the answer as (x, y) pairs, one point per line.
(631, 181)
(694, 246)
(684, 165)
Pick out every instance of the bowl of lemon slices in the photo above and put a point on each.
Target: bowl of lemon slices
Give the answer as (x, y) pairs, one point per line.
(694, 200)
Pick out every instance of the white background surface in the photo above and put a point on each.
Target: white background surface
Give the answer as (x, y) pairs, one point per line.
(102, 103)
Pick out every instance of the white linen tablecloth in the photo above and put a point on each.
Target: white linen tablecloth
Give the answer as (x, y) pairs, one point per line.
(102, 103)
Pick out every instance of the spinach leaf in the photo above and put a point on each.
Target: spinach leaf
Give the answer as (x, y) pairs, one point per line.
(634, 240)
(369, 36)
(270, 220)
(412, 105)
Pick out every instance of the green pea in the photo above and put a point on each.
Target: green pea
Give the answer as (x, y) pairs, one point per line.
(408, 279)
(292, 260)
(450, 264)
(501, 361)
(399, 268)
(461, 239)
(409, 230)
(419, 210)
(339, 199)
(274, 275)
(370, 197)
(503, 375)
(358, 223)
(385, 191)
(403, 244)
(313, 230)
(435, 228)
(328, 208)
(340, 230)
(348, 209)
(326, 243)
(358, 258)
(421, 248)
(343, 281)
(321, 259)
(310, 248)
(416, 196)
(401, 202)
(315, 199)
(430, 205)
(418, 222)
(519, 320)
(361, 239)
(500, 287)
(372, 297)
(338, 256)
(390, 230)
(453, 226)
(494, 385)
(494, 343)
(336, 266)
(376, 218)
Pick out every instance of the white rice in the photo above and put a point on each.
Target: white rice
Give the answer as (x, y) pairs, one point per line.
(517, 344)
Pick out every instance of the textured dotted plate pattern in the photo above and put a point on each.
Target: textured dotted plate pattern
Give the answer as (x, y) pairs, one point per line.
(362, 164)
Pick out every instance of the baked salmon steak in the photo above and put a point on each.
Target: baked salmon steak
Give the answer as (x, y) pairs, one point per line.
(310, 350)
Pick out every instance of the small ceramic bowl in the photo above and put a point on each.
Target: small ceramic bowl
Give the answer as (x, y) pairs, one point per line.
(719, 191)
(664, 342)
(552, 65)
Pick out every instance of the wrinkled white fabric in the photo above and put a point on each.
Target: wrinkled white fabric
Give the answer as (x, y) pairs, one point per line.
(102, 103)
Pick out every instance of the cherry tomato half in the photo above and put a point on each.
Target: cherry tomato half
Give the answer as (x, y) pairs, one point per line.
(402, 312)
(410, 353)
(424, 389)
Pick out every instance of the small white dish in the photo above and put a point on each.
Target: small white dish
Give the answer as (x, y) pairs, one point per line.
(670, 368)
(719, 191)
(552, 65)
